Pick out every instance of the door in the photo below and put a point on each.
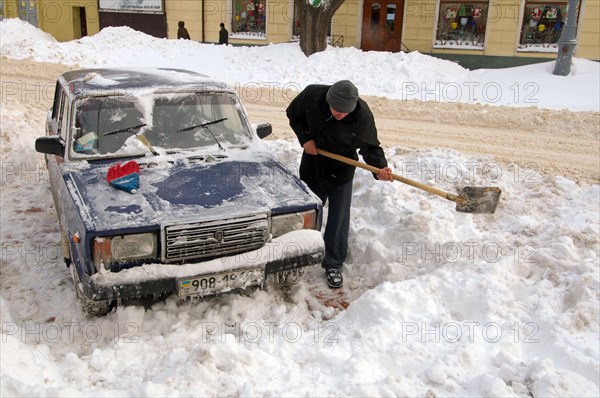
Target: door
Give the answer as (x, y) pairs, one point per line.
(56, 124)
(151, 24)
(83, 20)
(28, 11)
(382, 25)
(79, 22)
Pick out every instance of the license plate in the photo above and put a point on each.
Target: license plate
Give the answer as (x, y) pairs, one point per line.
(224, 281)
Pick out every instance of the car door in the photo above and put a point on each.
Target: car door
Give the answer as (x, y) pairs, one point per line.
(56, 124)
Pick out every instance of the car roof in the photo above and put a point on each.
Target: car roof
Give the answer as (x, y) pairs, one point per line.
(107, 81)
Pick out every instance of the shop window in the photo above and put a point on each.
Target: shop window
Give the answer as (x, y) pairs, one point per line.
(249, 19)
(542, 25)
(461, 25)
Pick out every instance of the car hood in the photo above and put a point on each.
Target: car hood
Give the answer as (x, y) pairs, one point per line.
(182, 191)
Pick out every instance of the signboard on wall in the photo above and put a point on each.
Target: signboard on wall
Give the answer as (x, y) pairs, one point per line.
(139, 6)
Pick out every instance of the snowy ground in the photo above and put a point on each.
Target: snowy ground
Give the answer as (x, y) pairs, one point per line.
(443, 303)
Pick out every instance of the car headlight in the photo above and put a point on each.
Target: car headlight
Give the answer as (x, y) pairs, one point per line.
(282, 224)
(109, 250)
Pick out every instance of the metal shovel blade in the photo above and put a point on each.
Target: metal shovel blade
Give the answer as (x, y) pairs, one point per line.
(478, 200)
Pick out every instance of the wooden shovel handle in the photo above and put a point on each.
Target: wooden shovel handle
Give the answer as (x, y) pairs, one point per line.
(416, 184)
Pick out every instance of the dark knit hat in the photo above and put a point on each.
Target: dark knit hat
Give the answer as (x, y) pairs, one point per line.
(342, 96)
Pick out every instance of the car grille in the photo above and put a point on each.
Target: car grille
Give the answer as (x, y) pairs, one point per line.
(215, 238)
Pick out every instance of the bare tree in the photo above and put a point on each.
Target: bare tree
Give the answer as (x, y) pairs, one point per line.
(314, 23)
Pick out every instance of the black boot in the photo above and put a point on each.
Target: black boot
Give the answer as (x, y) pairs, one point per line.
(334, 278)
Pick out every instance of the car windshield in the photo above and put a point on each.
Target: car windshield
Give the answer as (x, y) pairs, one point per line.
(108, 126)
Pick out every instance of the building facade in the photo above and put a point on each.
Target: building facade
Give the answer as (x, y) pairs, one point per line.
(514, 29)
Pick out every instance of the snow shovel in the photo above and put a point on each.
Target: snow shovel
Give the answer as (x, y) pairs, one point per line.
(469, 200)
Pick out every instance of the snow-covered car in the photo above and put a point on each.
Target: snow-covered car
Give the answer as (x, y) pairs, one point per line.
(197, 206)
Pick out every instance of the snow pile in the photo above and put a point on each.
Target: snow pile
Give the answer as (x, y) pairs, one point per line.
(19, 39)
(453, 305)
(17, 31)
(443, 303)
(401, 75)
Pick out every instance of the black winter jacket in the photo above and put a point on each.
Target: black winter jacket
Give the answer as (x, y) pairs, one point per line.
(182, 33)
(223, 36)
(311, 119)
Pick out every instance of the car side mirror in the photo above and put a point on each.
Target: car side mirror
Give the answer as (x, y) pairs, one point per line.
(263, 130)
(52, 145)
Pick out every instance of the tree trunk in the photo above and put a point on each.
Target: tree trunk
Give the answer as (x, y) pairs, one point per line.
(314, 24)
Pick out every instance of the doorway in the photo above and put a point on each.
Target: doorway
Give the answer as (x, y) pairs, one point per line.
(28, 11)
(382, 25)
(79, 22)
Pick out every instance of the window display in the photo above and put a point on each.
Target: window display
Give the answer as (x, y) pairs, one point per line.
(542, 25)
(461, 25)
(249, 18)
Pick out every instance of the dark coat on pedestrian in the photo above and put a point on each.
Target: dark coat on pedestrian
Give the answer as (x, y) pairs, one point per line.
(223, 35)
(311, 119)
(182, 32)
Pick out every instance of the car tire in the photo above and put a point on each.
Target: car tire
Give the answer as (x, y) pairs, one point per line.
(88, 306)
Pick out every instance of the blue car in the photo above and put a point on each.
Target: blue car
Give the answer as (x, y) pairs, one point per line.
(162, 186)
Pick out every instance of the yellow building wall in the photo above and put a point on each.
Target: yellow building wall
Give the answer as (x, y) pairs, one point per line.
(503, 27)
(347, 22)
(418, 28)
(10, 9)
(278, 29)
(216, 12)
(420, 17)
(187, 11)
(502, 32)
(280, 16)
(60, 18)
(588, 37)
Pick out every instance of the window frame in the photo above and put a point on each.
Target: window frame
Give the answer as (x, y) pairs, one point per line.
(240, 18)
(530, 37)
(451, 33)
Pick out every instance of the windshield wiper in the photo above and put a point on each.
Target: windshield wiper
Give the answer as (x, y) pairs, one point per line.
(141, 138)
(205, 125)
(126, 130)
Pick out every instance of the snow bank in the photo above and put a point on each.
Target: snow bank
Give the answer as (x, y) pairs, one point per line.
(394, 75)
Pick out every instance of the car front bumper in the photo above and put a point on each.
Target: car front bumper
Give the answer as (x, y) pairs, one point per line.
(291, 251)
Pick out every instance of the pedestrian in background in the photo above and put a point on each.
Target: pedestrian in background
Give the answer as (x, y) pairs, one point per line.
(223, 35)
(182, 32)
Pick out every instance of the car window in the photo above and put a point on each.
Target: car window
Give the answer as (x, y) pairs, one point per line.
(57, 97)
(60, 110)
(101, 125)
(174, 115)
(107, 125)
(61, 113)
